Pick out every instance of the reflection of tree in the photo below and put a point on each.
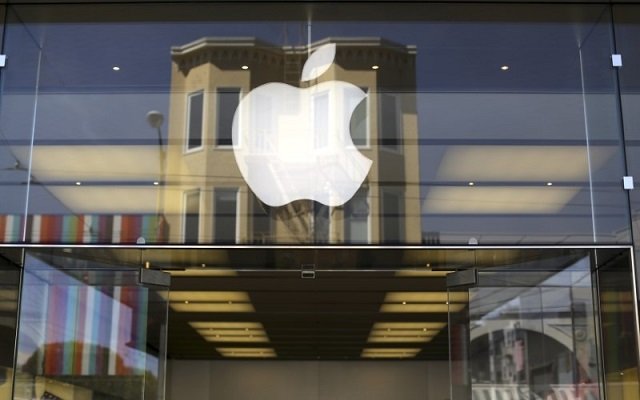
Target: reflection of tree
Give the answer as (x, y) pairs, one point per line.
(127, 383)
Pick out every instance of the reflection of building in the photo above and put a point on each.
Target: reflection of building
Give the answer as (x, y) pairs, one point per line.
(212, 203)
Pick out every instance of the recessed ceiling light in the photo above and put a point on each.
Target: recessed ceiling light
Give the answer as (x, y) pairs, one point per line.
(549, 183)
(504, 68)
(471, 183)
(156, 183)
(245, 67)
(115, 68)
(375, 67)
(78, 183)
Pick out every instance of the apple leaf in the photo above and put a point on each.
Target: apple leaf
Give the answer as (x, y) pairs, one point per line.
(318, 62)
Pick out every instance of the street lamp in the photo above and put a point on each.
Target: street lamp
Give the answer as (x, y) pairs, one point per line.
(155, 119)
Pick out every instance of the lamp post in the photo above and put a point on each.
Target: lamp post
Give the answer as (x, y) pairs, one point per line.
(155, 119)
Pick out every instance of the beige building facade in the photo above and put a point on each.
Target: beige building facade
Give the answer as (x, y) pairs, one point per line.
(210, 77)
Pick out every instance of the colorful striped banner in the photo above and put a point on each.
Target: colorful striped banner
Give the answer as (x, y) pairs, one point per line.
(76, 229)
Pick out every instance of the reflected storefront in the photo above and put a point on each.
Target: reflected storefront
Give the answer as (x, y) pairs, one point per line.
(223, 143)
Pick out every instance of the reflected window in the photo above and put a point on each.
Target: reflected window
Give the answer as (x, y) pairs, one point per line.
(228, 100)
(321, 214)
(356, 218)
(191, 216)
(225, 211)
(320, 121)
(392, 213)
(390, 123)
(261, 221)
(359, 124)
(195, 106)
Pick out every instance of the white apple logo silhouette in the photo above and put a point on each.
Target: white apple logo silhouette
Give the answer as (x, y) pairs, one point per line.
(294, 143)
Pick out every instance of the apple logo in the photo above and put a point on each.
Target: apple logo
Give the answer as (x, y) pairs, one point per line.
(294, 143)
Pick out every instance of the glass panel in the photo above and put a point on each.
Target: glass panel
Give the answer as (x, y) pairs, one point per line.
(20, 88)
(627, 29)
(490, 123)
(9, 295)
(619, 324)
(89, 331)
(225, 214)
(530, 333)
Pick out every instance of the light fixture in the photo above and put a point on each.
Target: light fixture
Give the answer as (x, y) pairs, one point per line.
(245, 67)
(549, 183)
(156, 183)
(504, 68)
(212, 307)
(390, 353)
(210, 301)
(423, 302)
(246, 352)
(472, 183)
(374, 67)
(115, 68)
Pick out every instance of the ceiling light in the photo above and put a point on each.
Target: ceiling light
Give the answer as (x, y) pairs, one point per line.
(211, 296)
(421, 308)
(399, 339)
(472, 183)
(225, 325)
(389, 353)
(409, 325)
(549, 183)
(156, 183)
(236, 339)
(115, 68)
(212, 307)
(245, 67)
(504, 68)
(78, 183)
(247, 352)
(425, 297)
(497, 199)
(374, 67)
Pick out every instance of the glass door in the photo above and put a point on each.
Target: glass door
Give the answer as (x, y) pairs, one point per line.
(529, 331)
(90, 330)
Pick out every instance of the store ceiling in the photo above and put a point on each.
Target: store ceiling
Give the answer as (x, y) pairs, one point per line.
(332, 316)
(310, 303)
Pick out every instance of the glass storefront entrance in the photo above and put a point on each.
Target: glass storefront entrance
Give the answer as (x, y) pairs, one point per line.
(326, 323)
(545, 331)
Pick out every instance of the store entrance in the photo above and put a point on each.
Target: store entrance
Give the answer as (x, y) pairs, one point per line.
(333, 323)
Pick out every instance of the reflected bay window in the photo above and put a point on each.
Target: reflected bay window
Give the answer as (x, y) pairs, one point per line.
(392, 217)
(228, 100)
(390, 124)
(225, 210)
(195, 109)
(191, 216)
(356, 218)
(261, 220)
(321, 215)
(359, 123)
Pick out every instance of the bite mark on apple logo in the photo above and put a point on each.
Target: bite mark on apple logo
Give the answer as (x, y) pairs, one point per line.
(294, 143)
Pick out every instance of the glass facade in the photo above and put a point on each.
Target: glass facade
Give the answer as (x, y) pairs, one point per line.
(219, 136)
(492, 123)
